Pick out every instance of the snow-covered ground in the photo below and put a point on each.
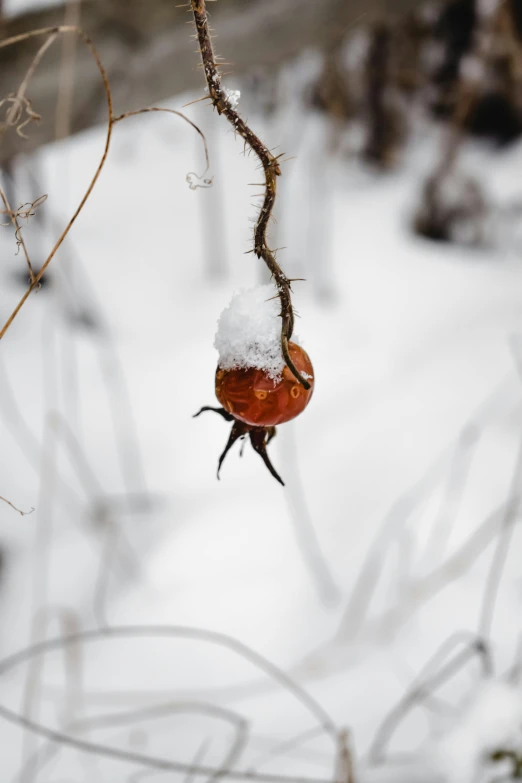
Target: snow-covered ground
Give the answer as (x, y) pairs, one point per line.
(13, 7)
(398, 473)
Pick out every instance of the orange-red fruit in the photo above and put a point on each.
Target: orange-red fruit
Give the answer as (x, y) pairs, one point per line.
(251, 396)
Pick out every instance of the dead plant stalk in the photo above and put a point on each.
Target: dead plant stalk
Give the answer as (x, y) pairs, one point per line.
(18, 102)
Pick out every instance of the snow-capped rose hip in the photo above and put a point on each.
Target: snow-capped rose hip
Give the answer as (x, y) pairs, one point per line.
(254, 383)
(256, 398)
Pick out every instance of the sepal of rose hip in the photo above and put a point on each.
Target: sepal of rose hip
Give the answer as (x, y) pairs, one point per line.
(260, 437)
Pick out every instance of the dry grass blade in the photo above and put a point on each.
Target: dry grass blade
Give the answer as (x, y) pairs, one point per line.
(177, 114)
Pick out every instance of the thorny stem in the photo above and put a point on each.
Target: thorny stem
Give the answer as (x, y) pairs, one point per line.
(271, 168)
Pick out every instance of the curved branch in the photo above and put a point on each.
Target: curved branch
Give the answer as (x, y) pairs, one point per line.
(53, 33)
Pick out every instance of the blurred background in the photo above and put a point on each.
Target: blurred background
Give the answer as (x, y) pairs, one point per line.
(157, 623)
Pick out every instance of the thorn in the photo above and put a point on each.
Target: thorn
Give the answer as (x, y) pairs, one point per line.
(204, 98)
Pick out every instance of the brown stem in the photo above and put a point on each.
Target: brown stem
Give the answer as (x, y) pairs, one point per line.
(135, 112)
(19, 98)
(23, 513)
(271, 168)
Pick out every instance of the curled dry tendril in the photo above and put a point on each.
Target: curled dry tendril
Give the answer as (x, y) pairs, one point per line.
(25, 210)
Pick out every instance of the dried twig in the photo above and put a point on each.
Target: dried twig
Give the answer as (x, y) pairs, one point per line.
(19, 102)
(54, 32)
(169, 111)
(344, 768)
(22, 513)
(271, 168)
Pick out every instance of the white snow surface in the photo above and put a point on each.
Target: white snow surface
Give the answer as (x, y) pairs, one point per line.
(249, 332)
(490, 721)
(397, 474)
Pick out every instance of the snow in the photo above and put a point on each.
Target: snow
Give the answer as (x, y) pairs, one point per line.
(491, 721)
(249, 332)
(233, 97)
(406, 452)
